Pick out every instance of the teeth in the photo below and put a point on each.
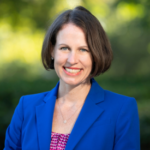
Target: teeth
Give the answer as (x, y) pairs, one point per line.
(72, 70)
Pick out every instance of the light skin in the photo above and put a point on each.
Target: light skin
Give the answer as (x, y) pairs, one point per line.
(73, 65)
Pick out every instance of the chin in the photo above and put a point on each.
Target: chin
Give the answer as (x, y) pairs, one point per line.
(74, 82)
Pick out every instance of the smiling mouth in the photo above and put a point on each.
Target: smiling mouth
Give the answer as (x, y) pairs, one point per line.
(73, 71)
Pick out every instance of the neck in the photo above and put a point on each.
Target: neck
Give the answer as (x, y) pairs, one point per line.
(73, 95)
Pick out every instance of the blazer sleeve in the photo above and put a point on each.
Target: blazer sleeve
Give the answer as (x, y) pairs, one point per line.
(13, 132)
(127, 132)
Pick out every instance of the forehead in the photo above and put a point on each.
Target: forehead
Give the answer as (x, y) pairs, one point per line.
(71, 33)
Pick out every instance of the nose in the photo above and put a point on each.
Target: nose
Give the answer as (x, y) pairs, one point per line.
(72, 58)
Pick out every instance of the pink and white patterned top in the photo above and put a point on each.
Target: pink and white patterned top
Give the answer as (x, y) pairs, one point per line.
(58, 141)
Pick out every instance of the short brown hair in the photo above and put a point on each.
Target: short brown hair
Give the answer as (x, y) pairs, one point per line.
(96, 39)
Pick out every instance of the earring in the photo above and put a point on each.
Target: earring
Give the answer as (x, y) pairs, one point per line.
(52, 58)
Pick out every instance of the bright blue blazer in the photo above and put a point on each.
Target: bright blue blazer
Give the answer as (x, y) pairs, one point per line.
(107, 121)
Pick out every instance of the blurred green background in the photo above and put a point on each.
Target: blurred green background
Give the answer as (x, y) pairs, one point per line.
(23, 24)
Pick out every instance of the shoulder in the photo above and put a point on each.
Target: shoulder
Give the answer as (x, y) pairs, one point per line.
(33, 99)
(115, 97)
(37, 99)
(27, 105)
(110, 98)
(118, 102)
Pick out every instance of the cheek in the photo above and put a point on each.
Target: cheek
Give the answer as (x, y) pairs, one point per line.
(87, 61)
(89, 65)
(60, 58)
(57, 55)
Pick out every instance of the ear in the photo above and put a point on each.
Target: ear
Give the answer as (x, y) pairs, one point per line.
(52, 51)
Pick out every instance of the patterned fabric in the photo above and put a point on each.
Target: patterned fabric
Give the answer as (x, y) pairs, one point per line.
(58, 141)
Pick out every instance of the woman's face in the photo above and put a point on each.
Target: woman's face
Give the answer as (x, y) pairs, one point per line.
(72, 57)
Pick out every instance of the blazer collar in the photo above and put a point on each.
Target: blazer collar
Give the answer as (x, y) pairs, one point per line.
(89, 113)
(44, 118)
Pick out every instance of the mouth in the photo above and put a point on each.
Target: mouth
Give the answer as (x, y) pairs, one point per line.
(73, 71)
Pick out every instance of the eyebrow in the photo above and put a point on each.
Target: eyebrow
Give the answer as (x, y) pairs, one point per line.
(69, 46)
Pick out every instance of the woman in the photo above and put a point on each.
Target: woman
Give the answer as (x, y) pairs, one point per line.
(77, 114)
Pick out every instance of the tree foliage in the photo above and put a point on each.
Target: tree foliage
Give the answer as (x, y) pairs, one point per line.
(23, 24)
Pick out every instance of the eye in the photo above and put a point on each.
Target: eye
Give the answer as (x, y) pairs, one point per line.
(64, 48)
(84, 50)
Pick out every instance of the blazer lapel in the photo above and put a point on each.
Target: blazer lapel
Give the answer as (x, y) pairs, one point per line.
(44, 117)
(88, 115)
